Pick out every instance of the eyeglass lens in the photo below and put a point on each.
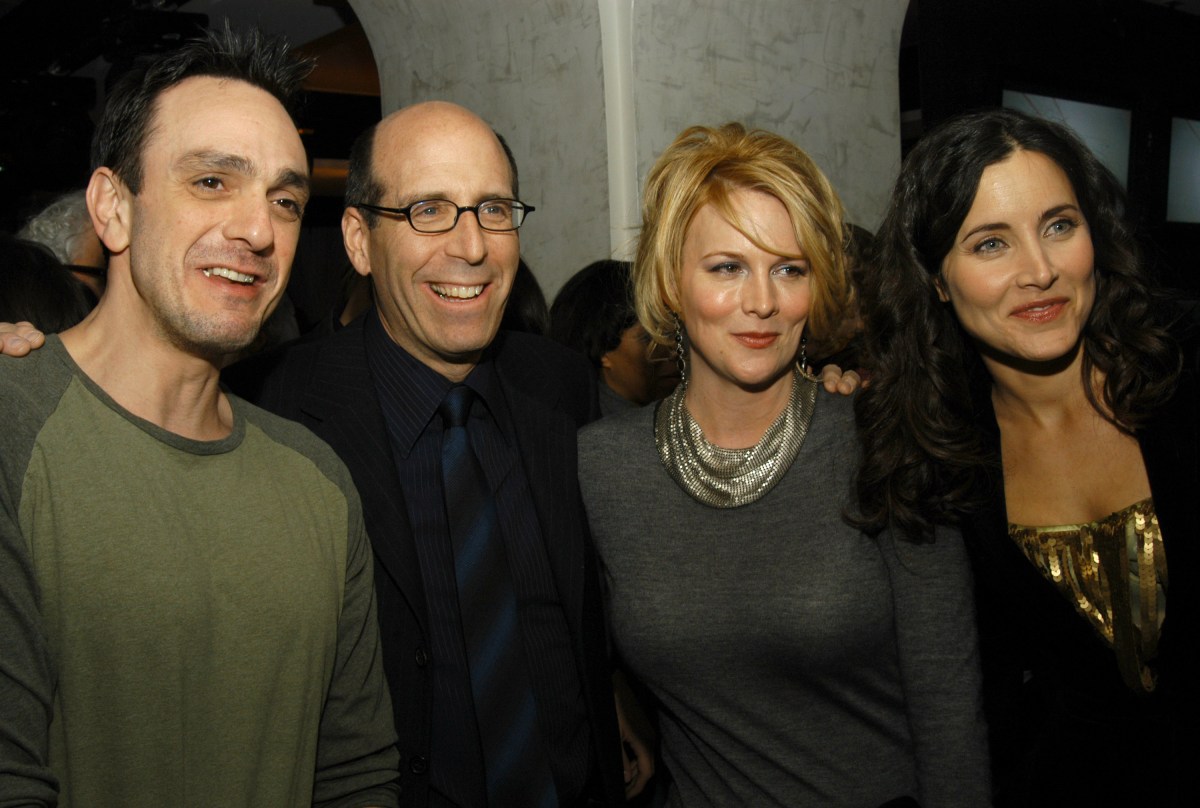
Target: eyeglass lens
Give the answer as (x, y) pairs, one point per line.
(436, 215)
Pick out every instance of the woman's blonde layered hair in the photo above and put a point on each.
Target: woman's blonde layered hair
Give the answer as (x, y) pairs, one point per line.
(705, 165)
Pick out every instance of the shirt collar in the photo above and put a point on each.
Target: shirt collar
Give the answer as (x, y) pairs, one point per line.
(410, 391)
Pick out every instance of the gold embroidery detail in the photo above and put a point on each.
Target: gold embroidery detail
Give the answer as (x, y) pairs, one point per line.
(1082, 561)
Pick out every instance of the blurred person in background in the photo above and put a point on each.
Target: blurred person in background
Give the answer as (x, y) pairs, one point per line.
(36, 287)
(65, 227)
(593, 314)
(525, 310)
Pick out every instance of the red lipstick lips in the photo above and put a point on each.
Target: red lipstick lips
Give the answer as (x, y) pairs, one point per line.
(757, 339)
(1040, 311)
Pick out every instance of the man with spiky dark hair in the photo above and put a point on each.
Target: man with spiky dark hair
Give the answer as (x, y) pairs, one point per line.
(186, 599)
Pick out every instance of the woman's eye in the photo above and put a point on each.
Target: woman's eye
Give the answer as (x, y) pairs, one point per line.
(989, 245)
(1060, 226)
(726, 268)
(797, 270)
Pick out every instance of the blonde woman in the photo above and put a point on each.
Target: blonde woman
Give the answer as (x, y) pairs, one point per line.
(795, 660)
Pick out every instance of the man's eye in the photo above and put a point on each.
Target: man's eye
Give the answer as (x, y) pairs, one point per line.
(290, 207)
(209, 183)
(428, 210)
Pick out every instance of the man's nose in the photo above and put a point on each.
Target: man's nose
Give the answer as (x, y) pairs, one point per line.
(467, 240)
(250, 222)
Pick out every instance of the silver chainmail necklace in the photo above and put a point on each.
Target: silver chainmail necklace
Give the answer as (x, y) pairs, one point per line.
(728, 478)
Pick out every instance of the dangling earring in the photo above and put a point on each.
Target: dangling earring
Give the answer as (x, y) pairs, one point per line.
(680, 353)
(804, 355)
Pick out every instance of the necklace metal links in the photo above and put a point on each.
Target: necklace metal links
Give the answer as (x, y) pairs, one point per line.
(729, 478)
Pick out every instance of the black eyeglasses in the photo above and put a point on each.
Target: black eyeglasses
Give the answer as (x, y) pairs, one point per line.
(441, 215)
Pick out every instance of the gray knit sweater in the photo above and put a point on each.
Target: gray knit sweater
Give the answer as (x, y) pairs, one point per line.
(798, 662)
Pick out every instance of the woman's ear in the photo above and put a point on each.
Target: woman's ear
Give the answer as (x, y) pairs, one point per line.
(940, 285)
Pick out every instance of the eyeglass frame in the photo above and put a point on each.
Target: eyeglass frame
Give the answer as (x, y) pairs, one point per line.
(459, 210)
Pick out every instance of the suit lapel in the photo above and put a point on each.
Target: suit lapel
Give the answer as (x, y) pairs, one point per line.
(546, 444)
(343, 408)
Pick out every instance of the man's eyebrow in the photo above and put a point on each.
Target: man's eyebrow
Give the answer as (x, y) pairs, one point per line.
(289, 178)
(214, 160)
(237, 164)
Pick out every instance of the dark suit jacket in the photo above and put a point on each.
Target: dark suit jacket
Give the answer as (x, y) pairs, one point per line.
(326, 385)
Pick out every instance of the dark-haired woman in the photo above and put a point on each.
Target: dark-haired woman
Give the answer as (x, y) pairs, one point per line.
(1028, 386)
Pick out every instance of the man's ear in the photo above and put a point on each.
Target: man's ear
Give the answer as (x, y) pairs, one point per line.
(110, 204)
(356, 237)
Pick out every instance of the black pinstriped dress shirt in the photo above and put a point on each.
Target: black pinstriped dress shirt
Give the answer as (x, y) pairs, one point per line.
(409, 393)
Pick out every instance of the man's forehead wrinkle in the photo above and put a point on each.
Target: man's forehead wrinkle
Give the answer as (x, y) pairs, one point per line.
(217, 160)
(425, 196)
(213, 160)
(446, 177)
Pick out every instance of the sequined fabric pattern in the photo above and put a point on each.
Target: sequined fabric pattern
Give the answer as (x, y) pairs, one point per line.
(728, 478)
(1115, 573)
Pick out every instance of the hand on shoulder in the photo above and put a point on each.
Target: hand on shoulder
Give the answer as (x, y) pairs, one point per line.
(18, 339)
(835, 380)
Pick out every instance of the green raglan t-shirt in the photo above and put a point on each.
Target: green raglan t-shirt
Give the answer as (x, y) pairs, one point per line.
(184, 623)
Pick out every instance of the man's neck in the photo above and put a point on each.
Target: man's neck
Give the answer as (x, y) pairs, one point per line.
(453, 368)
(149, 376)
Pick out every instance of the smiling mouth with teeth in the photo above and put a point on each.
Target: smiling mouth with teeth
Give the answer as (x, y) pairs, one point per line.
(457, 292)
(228, 274)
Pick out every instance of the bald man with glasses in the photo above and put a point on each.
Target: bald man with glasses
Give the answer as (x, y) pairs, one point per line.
(461, 441)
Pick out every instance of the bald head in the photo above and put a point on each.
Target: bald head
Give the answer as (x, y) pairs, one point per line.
(427, 121)
(433, 116)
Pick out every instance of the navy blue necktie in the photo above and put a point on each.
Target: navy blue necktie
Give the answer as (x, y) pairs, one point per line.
(516, 766)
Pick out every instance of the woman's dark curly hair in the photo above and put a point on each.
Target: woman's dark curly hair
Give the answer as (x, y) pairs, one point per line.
(924, 451)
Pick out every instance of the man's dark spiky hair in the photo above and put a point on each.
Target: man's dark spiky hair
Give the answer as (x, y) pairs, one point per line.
(264, 62)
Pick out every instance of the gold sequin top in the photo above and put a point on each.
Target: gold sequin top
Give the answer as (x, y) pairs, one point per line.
(1083, 561)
